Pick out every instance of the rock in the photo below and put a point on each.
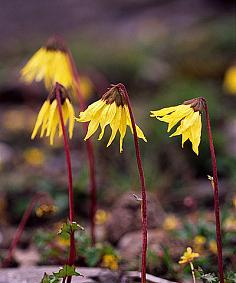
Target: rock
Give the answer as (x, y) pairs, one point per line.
(130, 245)
(125, 216)
(35, 274)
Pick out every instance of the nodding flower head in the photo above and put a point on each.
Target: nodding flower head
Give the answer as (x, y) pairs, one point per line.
(48, 118)
(51, 64)
(189, 116)
(111, 109)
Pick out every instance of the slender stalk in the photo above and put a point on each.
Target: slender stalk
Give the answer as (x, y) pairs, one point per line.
(21, 227)
(216, 196)
(192, 271)
(143, 186)
(72, 254)
(90, 154)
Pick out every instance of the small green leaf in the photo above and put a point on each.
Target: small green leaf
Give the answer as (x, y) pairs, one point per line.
(67, 270)
(49, 279)
(68, 228)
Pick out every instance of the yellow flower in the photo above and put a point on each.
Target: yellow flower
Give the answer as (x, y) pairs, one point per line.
(188, 256)
(49, 120)
(101, 217)
(230, 224)
(110, 261)
(213, 246)
(230, 80)
(171, 223)
(189, 116)
(50, 64)
(45, 209)
(111, 110)
(34, 156)
(199, 240)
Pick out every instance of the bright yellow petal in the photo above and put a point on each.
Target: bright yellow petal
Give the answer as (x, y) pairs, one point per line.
(71, 113)
(107, 116)
(40, 118)
(196, 129)
(164, 111)
(88, 114)
(122, 128)
(115, 123)
(52, 110)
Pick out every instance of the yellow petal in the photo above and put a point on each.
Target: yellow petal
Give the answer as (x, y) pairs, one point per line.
(107, 116)
(196, 129)
(122, 128)
(53, 107)
(71, 113)
(115, 123)
(163, 111)
(40, 118)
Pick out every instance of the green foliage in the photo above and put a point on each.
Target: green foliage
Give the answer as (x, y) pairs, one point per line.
(68, 228)
(63, 272)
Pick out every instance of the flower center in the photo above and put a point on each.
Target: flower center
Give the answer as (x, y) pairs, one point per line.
(114, 95)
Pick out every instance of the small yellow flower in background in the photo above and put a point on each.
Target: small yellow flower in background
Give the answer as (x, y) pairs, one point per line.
(111, 110)
(15, 120)
(230, 80)
(49, 120)
(44, 209)
(189, 116)
(50, 64)
(34, 156)
(213, 246)
(230, 224)
(86, 87)
(110, 261)
(199, 240)
(170, 223)
(101, 217)
(188, 256)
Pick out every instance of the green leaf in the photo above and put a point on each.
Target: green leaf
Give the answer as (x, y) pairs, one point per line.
(231, 277)
(49, 279)
(93, 256)
(67, 270)
(68, 228)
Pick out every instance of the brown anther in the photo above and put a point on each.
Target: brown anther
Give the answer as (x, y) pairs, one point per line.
(56, 44)
(197, 104)
(114, 95)
(62, 92)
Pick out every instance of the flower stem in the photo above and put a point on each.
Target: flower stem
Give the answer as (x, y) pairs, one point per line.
(90, 154)
(192, 271)
(72, 254)
(216, 196)
(21, 227)
(143, 186)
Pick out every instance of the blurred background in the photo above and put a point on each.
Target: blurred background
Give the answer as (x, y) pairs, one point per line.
(165, 52)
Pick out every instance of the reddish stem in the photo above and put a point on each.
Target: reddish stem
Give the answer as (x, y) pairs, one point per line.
(90, 153)
(143, 186)
(72, 254)
(21, 227)
(216, 196)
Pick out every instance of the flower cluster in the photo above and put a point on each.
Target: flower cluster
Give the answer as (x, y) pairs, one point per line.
(48, 118)
(111, 110)
(189, 116)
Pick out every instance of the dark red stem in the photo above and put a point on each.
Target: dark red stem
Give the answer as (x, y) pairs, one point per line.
(216, 196)
(72, 254)
(90, 154)
(21, 227)
(143, 186)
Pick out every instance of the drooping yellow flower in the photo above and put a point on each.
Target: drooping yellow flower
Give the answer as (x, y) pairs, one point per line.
(230, 80)
(188, 256)
(111, 110)
(189, 116)
(50, 64)
(49, 120)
